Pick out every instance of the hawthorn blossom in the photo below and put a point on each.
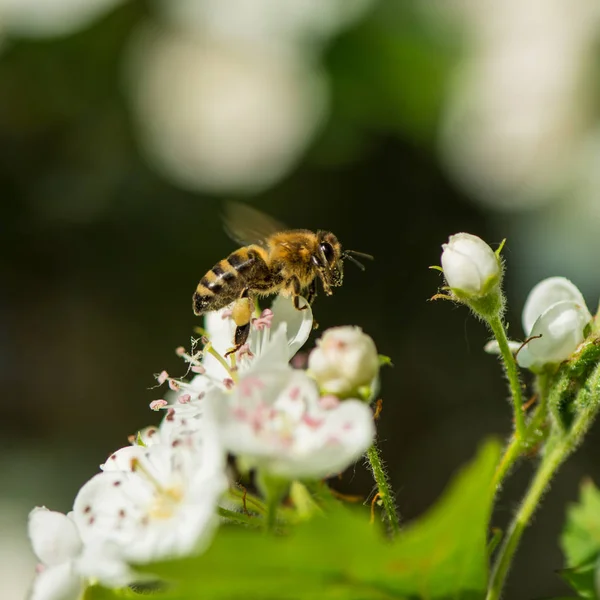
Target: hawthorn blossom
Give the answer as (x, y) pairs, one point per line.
(276, 421)
(344, 361)
(155, 502)
(555, 316)
(470, 266)
(275, 336)
(296, 326)
(57, 544)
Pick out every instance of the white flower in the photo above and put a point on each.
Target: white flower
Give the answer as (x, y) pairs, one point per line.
(57, 544)
(555, 316)
(470, 266)
(344, 360)
(295, 325)
(277, 422)
(156, 502)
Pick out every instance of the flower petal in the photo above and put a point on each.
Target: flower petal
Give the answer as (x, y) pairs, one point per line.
(274, 420)
(299, 322)
(546, 293)
(492, 346)
(468, 263)
(59, 582)
(53, 535)
(561, 329)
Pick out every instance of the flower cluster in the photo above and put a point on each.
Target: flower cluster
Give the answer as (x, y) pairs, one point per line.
(160, 497)
(555, 316)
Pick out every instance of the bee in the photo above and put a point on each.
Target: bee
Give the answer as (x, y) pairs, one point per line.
(272, 259)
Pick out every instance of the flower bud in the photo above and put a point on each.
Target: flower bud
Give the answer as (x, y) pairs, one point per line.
(470, 266)
(555, 317)
(344, 361)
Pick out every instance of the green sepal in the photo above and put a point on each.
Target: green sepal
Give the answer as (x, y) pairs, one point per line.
(488, 304)
(500, 248)
(569, 393)
(385, 361)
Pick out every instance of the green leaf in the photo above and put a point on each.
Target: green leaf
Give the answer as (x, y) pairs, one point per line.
(443, 555)
(97, 592)
(581, 579)
(341, 556)
(580, 541)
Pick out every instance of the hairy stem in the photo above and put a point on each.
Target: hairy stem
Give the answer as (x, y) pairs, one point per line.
(558, 449)
(510, 365)
(516, 446)
(384, 488)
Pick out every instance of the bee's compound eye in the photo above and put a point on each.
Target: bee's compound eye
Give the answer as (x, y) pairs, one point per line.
(327, 251)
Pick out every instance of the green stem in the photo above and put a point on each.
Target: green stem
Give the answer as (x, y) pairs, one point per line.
(511, 453)
(557, 451)
(510, 364)
(516, 446)
(505, 555)
(274, 489)
(272, 506)
(384, 488)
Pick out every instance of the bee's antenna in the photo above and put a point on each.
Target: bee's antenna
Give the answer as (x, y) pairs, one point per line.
(350, 254)
(361, 254)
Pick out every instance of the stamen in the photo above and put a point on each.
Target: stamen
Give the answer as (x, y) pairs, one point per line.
(158, 404)
(329, 402)
(174, 385)
(198, 369)
(209, 348)
(264, 321)
(180, 351)
(245, 351)
(162, 377)
(249, 384)
(185, 399)
(300, 360)
(138, 467)
(312, 422)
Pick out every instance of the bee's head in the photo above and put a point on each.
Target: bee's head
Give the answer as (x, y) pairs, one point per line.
(330, 259)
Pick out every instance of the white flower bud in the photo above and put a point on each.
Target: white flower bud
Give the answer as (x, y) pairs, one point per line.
(470, 266)
(555, 316)
(546, 293)
(344, 360)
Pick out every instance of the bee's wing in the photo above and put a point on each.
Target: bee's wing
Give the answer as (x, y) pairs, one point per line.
(247, 225)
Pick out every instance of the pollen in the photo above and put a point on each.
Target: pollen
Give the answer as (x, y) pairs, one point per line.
(165, 503)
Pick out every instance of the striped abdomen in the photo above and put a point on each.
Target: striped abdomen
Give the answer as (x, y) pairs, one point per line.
(225, 281)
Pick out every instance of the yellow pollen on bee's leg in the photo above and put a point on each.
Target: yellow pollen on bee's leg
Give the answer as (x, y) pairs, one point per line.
(242, 311)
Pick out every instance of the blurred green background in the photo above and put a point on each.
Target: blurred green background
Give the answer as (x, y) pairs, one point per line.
(393, 123)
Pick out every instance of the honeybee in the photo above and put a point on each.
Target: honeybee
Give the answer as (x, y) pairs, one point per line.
(272, 259)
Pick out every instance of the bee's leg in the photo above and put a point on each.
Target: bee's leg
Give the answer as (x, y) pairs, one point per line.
(312, 291)
(293, 285)
(310, 297)
(242, 316)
